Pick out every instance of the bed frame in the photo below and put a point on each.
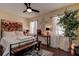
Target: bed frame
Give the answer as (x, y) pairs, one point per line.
(17, 26)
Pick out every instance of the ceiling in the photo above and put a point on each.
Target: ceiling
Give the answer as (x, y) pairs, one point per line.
(18, 8)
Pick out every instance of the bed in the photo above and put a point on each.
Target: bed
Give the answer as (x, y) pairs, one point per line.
(12, 36)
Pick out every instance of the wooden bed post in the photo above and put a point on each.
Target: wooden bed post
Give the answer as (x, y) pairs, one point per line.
(10, 49)
(1, 29)
(37, 37)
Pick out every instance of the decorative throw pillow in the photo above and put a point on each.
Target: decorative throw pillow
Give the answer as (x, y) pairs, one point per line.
(19, 33)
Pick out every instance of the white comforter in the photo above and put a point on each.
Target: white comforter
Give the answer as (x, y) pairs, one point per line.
(6, 41)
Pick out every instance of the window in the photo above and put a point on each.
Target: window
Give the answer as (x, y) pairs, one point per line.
(58, 29)
(33, 27)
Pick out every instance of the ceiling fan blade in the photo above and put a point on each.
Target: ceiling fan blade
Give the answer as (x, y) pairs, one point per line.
(35, 10)
(25, 4)
(24, 11)
(29, 4)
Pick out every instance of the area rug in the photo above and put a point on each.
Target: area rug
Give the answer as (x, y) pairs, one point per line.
(42, 52)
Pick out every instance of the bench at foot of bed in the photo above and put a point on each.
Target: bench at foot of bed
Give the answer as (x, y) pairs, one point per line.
(20, 50)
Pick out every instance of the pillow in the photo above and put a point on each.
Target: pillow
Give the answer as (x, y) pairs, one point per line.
(9, 34)
(19, 33)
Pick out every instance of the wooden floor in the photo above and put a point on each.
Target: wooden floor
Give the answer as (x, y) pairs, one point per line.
(57, 52)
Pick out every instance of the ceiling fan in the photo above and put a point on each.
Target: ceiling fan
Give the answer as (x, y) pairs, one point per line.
(29, 8)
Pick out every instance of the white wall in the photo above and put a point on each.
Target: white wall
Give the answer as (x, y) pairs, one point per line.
(10, 16)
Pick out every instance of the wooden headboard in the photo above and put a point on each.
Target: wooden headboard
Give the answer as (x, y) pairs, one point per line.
(7, 25)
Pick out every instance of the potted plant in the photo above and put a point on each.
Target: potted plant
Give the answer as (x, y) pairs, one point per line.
(69, 21)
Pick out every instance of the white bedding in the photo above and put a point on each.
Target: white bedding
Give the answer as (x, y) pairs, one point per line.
(6, 41)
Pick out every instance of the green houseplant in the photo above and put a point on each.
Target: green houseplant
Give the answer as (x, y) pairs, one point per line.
(70, 23)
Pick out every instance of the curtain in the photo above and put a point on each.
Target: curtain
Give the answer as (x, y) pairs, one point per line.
(57, 37)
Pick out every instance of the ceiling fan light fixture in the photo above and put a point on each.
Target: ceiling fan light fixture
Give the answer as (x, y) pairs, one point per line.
(29, 10)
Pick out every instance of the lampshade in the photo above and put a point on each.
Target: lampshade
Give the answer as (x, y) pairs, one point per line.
(47, 29)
